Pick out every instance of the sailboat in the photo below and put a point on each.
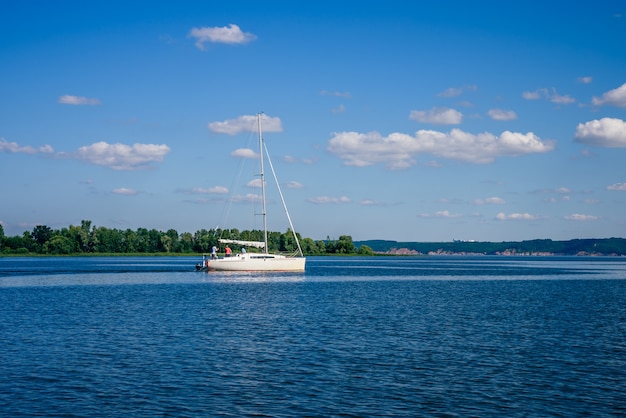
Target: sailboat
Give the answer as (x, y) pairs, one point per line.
(263, 260)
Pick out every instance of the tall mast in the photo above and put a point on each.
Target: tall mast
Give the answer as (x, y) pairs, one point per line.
(262, 182)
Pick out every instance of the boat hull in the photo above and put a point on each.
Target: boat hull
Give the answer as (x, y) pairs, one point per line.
(257, 262)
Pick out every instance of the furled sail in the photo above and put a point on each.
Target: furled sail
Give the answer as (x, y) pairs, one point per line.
(257, 244)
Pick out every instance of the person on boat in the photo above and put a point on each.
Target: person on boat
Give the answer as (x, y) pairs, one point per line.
(228, 251)
(243, 250)
(214, 252)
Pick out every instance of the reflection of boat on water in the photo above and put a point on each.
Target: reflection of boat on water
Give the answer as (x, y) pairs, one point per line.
(261, 261)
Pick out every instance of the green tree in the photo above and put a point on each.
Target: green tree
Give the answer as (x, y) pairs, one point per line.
(28, 242)
(14, 245)
(154, 241)
(309, 246)
(129, 241)
(202, 241)
(170, 241)
(344, 245)
(58, 245)
(365, 250)
(186, 242)
(41, 234)
(84, 235)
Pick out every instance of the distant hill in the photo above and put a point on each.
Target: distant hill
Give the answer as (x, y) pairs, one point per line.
(601, 246)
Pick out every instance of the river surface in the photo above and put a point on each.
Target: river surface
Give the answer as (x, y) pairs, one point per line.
(359, 337)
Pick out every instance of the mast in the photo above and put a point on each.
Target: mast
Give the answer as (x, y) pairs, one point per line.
(262, 182)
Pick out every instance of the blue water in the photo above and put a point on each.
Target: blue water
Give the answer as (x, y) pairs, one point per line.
(400, 336)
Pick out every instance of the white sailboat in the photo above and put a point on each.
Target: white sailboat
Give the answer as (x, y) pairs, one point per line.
(260, 261)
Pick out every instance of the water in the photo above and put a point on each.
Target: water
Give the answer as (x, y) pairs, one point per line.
(414, 336)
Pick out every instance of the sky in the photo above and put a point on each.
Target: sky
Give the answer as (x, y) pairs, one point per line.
(406, 121)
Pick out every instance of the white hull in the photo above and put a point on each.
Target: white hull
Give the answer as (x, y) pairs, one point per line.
(257, 262)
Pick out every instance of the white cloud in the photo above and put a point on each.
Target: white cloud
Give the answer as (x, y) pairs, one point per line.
(248, 198)
(489, 201)
(516, 217)
(580, 217)
(397, 150)
(244, 153)
(344, 94)
(125, 191)
(121, 156)
(531, 95)
(585, 80)
(321, 200)
(439, 214)
(339, 109)
(561, 99)
(210, 190)
(295, 185)
(77, 100)
(246, 123)
(499, 114)
(254, 184)
(615, 97)
(437, 116)
(548, 94)
(370, 202)
(606, 132)
(457, 91)
(617, 186)
(14, 147)
(231, 34)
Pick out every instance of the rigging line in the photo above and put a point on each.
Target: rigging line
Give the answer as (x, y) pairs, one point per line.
(282, 199)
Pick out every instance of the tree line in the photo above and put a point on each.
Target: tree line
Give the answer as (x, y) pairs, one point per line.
(89, 239)
(588, 246)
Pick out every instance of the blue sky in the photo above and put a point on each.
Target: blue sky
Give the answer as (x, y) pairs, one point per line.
(408, 121)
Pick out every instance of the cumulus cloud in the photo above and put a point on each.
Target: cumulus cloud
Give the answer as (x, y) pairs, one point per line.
(322, 200)
(606, 132)
(125, 191)
(246, 123)
(548, 94)
(580, 217)
(489, 201)
(231, 34)
(294, 185)
(516, 217)
(370, 202)
(398, 151)
(617, 186)
(244, 153)
(585, 80)
(14, 147)
(457, 91)
(499, 114)
(615, 97)
(77, 100)
(531, 95)
(439, 214)
(210, 190)
(121, 156)
(437, 116)
(254, 184)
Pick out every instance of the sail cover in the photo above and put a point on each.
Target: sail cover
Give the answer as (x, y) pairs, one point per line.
(257, 244)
